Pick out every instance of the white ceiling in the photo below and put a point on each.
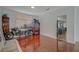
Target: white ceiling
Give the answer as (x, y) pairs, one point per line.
(36, 11)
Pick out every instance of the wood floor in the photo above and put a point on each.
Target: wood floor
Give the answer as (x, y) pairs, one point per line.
(43, 44)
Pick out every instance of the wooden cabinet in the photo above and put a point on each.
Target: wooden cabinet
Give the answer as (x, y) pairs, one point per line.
(5, 23)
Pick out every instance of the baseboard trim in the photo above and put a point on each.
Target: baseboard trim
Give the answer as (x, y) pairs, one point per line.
(56, 38)
(70, 42)
(49, 36)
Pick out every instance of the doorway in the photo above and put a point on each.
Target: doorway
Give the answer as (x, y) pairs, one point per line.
(61, 33)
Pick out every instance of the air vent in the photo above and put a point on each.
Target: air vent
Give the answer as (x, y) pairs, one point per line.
(47, 9)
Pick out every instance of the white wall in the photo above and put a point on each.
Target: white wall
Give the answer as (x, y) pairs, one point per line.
(48, 22)
(76, 22)
(48, 25)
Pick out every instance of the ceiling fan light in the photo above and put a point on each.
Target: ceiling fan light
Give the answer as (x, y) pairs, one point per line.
(32, 7)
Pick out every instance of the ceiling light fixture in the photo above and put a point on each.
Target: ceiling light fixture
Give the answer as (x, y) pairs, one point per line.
(32, 7)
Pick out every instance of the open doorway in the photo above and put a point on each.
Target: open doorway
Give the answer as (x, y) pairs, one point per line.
(61, 32)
